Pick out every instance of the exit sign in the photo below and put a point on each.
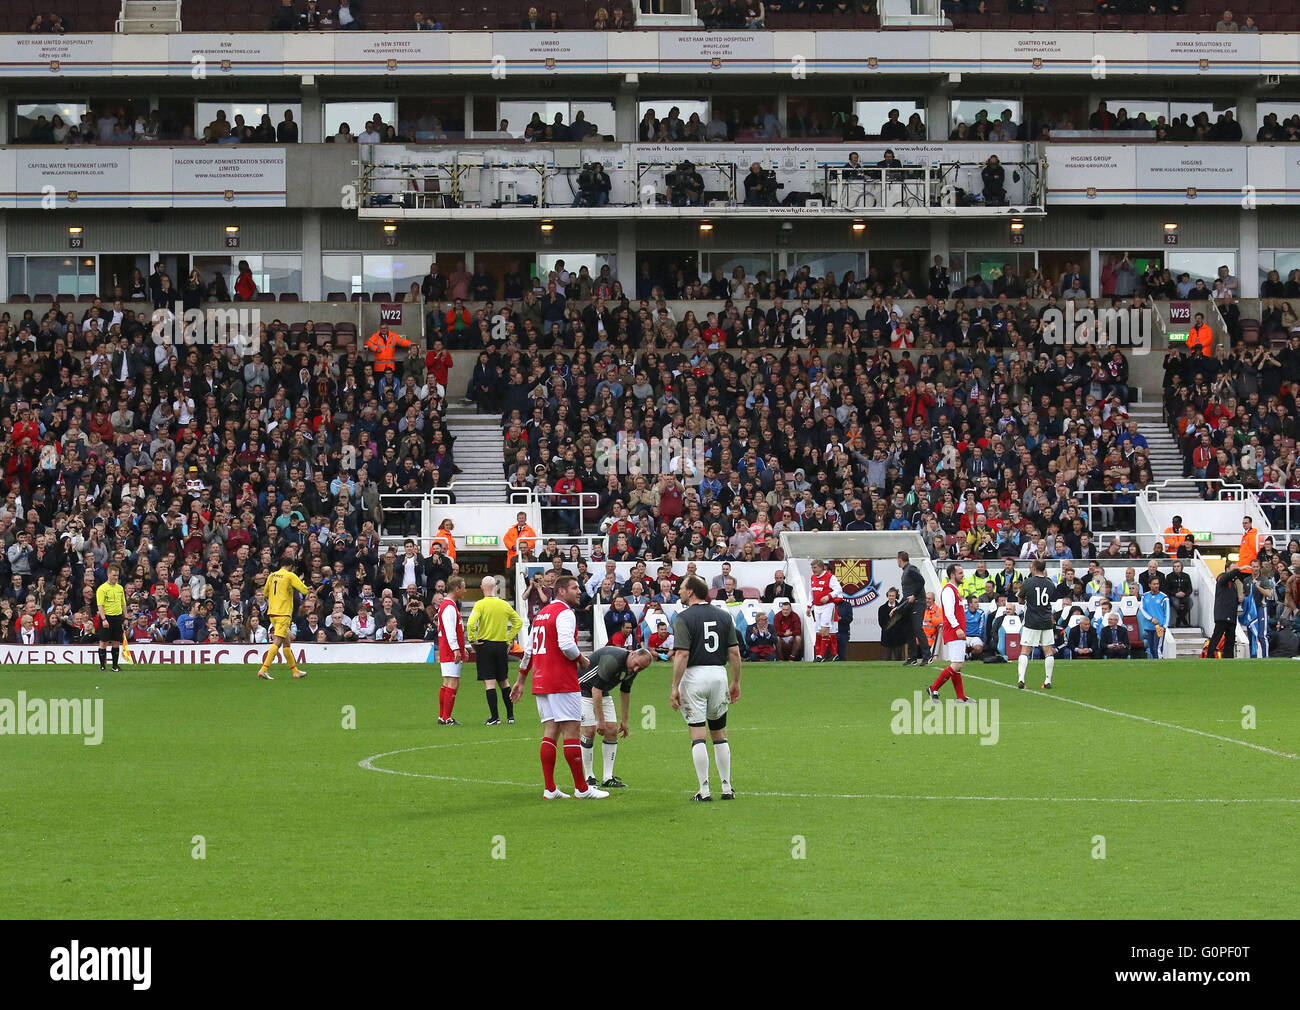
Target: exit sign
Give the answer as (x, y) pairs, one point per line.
(1202, 536)
(481, 541)
(1178, 338)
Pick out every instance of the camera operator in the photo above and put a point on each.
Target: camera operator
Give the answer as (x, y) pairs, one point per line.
(593, 186)
(995, 179)
(685, 186)
(761, 187)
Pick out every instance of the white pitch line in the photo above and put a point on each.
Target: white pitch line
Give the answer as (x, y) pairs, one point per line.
(369, 765)
(1143, 718)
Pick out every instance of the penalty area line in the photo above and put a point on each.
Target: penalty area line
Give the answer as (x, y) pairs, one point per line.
(1142, 718)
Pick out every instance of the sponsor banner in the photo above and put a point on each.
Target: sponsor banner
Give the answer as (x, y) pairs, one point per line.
(1203, 53)
(391, 52)
(1033, 52)
(1091, 173)
(55, 55)
(557, 51)
(228, 177)
(79, 177)
(1203, 174)
(872, 52)
(716, 52)
(228, 654)
(227, 55)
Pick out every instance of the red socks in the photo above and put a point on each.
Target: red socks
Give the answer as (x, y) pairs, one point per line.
(446, 702)
(548, 764)
(950, 674)
(573, 755)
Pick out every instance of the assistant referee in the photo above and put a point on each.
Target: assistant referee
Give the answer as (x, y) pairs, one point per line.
(492, 625)
(110, 599)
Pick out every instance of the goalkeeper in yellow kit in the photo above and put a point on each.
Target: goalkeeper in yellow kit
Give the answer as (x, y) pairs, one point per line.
(280, 587)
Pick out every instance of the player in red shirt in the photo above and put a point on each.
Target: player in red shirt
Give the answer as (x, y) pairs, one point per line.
(953, 630)
(451, 648)
(826, 592)
(552, 657)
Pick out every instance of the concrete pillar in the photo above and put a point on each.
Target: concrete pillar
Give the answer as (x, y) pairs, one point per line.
(312, 128)
(936, 115)
(5, 290)
(1248, 115)
(469, 117)
(625, 117)
(311, 257)
(1248, 253)
(940, 245)
(625, 249)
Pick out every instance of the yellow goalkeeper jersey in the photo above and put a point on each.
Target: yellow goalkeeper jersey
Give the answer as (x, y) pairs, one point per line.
(280, 586)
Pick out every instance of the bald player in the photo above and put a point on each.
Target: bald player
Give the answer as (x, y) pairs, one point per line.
(610, 668)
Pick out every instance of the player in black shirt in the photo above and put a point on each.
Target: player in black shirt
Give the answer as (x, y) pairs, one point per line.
(704, 646)
(1037, 593)
(607, 669)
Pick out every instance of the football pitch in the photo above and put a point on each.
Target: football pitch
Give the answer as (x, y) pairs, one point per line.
(1130, 790)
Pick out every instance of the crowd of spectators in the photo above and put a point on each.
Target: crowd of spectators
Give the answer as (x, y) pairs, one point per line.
(983, 436)
(199, 470)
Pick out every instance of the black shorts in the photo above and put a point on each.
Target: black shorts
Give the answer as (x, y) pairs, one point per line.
(111, 629)
(492, 661)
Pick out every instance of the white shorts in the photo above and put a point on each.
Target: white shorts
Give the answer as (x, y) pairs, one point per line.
(565, 707)
(824, 616)
(955, 651)
(451, 669)
(705, 693)
(1030, 637)
(589, 710)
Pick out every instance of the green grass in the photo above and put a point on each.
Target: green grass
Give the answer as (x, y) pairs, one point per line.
(294, 827)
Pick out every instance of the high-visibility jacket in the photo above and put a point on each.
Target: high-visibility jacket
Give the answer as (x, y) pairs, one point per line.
(1202, 337)
(974, 584)
(514, 535)
(1249, 548)
(1174, 539)
(932, 622)
(448, 542)
(384, 346)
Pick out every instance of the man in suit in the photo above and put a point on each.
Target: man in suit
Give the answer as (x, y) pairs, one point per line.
(1178, 584)
(1113, 642)
(914, 597)
(1082, 641)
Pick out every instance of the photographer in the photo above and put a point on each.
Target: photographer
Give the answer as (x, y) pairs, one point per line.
(685, 186)
(761, 187)
(593, 186)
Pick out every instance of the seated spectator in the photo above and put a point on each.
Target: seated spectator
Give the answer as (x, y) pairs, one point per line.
(1081, 641)
(760, 641)
(1114, 638)
(788, 628)
(1227, 23)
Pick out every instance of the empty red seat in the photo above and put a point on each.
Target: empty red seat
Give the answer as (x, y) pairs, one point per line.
(288, 297)
(336, 296)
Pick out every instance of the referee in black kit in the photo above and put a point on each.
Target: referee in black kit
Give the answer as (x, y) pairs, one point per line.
(914, 597)
(110, 599)
(492, 626)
